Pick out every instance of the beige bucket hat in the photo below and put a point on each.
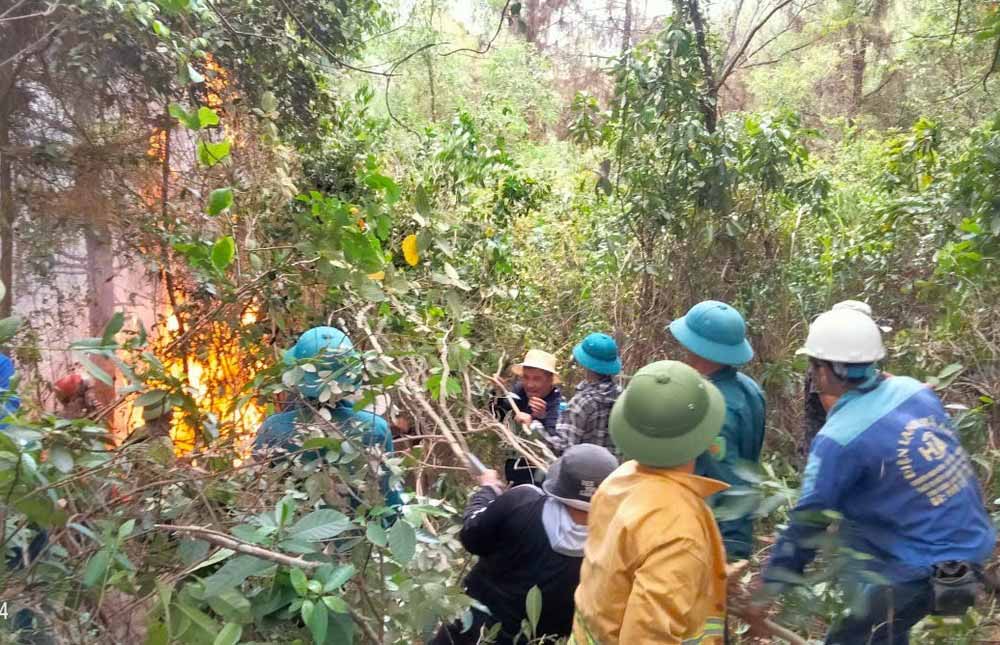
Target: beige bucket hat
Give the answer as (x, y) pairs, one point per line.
(538, 359)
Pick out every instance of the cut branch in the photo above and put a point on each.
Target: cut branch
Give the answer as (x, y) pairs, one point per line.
(728, 70)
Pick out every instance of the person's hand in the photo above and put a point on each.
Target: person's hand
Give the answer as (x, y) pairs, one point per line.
(537, 406)
(523, 418)
(491, 478)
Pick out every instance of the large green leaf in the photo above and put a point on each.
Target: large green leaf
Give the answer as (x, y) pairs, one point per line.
(533, 606)
(340, 629)
(376, 534)
(157, 634)
(112, 328)
(234, 572)
(402, 542)
(207, 117)
(299, 582)
(232, 605)
(320, 525)
(318, 623)
(97, 568)
(230, 635)
(219, 200)
(189, 119)
(223, 252)
(210, 153)
(362, 250)
(96, 371)
(9, 327)
(61, 458)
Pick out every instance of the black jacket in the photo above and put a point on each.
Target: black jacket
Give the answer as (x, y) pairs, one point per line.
(502, 406)
(507, 534)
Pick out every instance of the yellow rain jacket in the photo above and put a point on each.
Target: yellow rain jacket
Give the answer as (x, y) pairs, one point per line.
(654, 567)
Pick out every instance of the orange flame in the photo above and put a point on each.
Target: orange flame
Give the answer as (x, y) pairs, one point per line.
(214, 376)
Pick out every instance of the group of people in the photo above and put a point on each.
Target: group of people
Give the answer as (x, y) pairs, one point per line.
(619, 535)
(631, 552)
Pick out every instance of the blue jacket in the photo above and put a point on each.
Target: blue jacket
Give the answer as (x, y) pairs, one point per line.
(740, 439)
(9, 403)
(888, 461)
(279, 431)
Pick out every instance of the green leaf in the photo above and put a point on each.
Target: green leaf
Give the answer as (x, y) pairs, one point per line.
(422, 202)
(341, 629)
(402, 542)
(210, 153)
(232, 605)
(338, 577)
(207, 116)
(173, 6)
(230, 635)
(335, 604)
(299, 582)
(219, 200)
(112, 328)
(533, 606)
(198, 619)
(61, 458)
(188, 119)
(157, 634)
(381, 182)
(233, 573)
(40, 509)
(126, 529)
(376, 534)
(97, 568)
(147, 399)
(9, 327)
(318, 623)
(320, 525)
(194, 75)
(223, 252)
(96, 371)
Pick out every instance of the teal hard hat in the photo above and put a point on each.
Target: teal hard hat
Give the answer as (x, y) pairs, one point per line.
(598, 353)
(328, 344)
(716, 332)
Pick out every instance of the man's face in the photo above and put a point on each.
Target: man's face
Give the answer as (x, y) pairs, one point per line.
(537, 382)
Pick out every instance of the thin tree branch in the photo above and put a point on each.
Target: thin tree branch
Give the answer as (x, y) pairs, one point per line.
(746, 43)
(888, 79)
(958, 17)
(336, 59)
(993, 65)
(229, 542)
(489, 45)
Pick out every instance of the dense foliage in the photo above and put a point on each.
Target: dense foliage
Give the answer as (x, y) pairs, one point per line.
(277, 165)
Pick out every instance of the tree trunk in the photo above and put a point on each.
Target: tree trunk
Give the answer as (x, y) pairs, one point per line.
(7, 215)
(859, 55)
(627, 27)
(709, 97)
(100, 281)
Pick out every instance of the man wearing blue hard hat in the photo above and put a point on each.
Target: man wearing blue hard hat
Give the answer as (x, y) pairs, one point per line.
(714, 335)
(585, 419)
(335, 366)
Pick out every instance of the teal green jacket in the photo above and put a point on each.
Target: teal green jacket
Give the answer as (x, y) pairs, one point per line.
(741, 439)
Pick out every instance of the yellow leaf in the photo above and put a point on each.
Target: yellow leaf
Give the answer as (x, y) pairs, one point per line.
(377, 276)
(410, 253)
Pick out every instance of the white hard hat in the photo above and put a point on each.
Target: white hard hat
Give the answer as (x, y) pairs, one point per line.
(844, 335)
(856, 305)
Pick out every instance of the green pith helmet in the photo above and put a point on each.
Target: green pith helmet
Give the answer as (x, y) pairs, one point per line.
(668, 415)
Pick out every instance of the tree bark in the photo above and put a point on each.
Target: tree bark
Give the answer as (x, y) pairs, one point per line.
(627, 27)
(100, 282)
(7, 217)
(709, 98)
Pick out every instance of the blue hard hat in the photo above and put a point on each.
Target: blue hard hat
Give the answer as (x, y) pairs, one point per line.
(598, 353)
(716, 332)
(330, 345)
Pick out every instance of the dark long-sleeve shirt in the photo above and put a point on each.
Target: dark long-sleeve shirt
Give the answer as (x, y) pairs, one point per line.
(501, 406)
(506, 532)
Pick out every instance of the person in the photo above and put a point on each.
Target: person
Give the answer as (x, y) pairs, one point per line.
(585, 418)
(536, 404)
(713, 335)
(76, 395)
(654, 564)
(327, 349)
(9, 401)
(528, 537)
(889, 464)
(814, 413)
